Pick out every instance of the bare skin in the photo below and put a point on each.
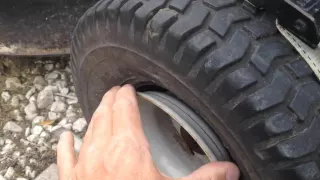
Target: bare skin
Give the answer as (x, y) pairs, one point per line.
(115, 147)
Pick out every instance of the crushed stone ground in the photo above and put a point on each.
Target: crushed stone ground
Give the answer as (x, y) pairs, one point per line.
(37, 96)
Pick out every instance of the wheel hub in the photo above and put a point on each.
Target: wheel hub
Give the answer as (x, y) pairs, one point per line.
(180, 141)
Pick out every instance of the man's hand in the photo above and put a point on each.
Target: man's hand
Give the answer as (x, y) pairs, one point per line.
(115, 147)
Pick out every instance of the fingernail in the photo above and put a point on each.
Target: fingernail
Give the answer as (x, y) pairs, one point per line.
(232, 174)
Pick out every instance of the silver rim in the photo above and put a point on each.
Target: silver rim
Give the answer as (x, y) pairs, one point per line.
(180, 141)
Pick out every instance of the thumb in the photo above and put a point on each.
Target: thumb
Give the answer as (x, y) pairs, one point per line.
(215, 171)
(65, 156)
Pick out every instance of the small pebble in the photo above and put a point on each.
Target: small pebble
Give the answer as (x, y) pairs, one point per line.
(38, 119)
(44, 135)
(15, 101)
(10, 173)
(39, 80)
(27, 132)
(16, 154)
(2, 178)
(22, 161)
(30, 92)
(13, 83)
(44, 99)
(58, 106)
(32, 138)
(37, 130)
(5, 96)
(1, 141)
(24, 142)
(48, 67)
(12, 127)
(79, 125)
(54, 116)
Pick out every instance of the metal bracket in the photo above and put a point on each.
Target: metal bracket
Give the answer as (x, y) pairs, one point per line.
(300, 17)
(311, 56)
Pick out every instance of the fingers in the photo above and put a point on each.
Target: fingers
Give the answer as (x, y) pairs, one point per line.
(216, 171)
(102, 118)
(126, 115)
(65, 156)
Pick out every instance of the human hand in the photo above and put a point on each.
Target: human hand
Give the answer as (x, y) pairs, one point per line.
(115, 147)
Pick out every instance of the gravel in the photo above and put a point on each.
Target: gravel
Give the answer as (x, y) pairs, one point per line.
(41, 99)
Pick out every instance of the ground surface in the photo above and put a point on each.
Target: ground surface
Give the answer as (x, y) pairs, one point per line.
(37, 96)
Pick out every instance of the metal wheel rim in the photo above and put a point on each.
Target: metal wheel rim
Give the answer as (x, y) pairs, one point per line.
(162, 116)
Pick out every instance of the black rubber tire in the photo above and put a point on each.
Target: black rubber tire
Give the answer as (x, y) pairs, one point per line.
(229, 65)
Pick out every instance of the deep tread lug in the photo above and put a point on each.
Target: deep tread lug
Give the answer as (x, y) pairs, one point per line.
(160, 22)
(236, 82)
(267, 52)
(300, 68)
(184, 26)
(142, 15)
(194, 47)
(179, 5)
(267, 97)
(219, 4)
(128, 10)
(226, 55)
(306, 96)
(262, 28)
(225, 18)
(298, 145)
(113, 9)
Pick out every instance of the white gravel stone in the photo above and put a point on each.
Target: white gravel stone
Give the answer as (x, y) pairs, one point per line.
(8, 141)
(29, 172)
(58, 98)
(22, 161)
(51, 173)
(32, 161)
(29, 150)
(63, 76)
(32, 138)
(43, 149)
(39, 87)
(68, 126)
(61, 84)
(53, 89)
(17, 115)
(44, 99)
(13, 83)
(38, 119)
(16, 154)
(54, 147)
(27, 132)
(15, 101)
(21, 178)
(37, 130)
(1, 141)
(12, 127)
(8, 148)
(54, 116)
(64, 91)
(72, 101)
(39, 80)
(48, 67)
(58, 106)
(41, 141)
(10, 173)
(64, 121)
(31, 116)
(2, 178)
(51, 76)
(24, 142)
(79, 125)
(5, 96)
(44, 135)
(31, 108)
(30, 92)
(33, 99)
